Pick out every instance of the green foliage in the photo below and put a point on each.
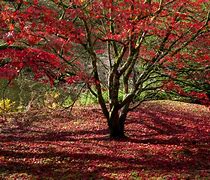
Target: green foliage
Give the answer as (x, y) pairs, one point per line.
(134, 175)
(6, 105)
(67, 102)
(87, 99)
(162, 95)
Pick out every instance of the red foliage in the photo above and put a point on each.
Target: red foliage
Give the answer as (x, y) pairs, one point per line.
(7, 73)
(41, 62)
(47, 34)
(166, 139)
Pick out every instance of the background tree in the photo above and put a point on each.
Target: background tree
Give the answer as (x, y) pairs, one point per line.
(141, 45)
(192, 72)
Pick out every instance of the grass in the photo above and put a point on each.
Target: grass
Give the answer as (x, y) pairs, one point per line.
(167, 140)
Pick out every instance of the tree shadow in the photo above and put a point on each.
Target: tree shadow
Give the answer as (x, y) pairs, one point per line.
(88, 152)
(53, 136)
(84, 165)
(171, 124)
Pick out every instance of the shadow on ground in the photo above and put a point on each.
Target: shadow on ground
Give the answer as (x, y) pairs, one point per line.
(160, 143)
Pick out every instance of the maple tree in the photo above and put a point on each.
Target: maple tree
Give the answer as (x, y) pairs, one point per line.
(143, 46)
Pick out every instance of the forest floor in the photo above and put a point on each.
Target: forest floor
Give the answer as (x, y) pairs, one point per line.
(166, 140)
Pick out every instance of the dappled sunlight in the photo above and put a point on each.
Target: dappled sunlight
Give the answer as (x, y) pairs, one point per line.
(162, 142)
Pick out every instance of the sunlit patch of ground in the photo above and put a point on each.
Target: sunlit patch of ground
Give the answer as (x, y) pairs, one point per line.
(166, 139)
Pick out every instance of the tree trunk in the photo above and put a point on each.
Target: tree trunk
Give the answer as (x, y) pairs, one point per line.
(116, 125)
(116, 129)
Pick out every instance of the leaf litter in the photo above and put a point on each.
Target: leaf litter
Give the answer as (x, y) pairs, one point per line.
(166, 139)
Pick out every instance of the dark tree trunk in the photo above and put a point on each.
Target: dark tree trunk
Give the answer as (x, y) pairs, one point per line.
(116, 125)
(116, 129)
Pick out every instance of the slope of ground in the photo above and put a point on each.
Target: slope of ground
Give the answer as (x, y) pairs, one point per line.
(167, 140)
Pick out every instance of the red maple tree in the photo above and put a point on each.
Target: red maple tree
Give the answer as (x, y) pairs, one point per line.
(137, 47)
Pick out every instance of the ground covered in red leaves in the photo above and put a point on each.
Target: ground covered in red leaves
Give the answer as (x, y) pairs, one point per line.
(166, 140)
